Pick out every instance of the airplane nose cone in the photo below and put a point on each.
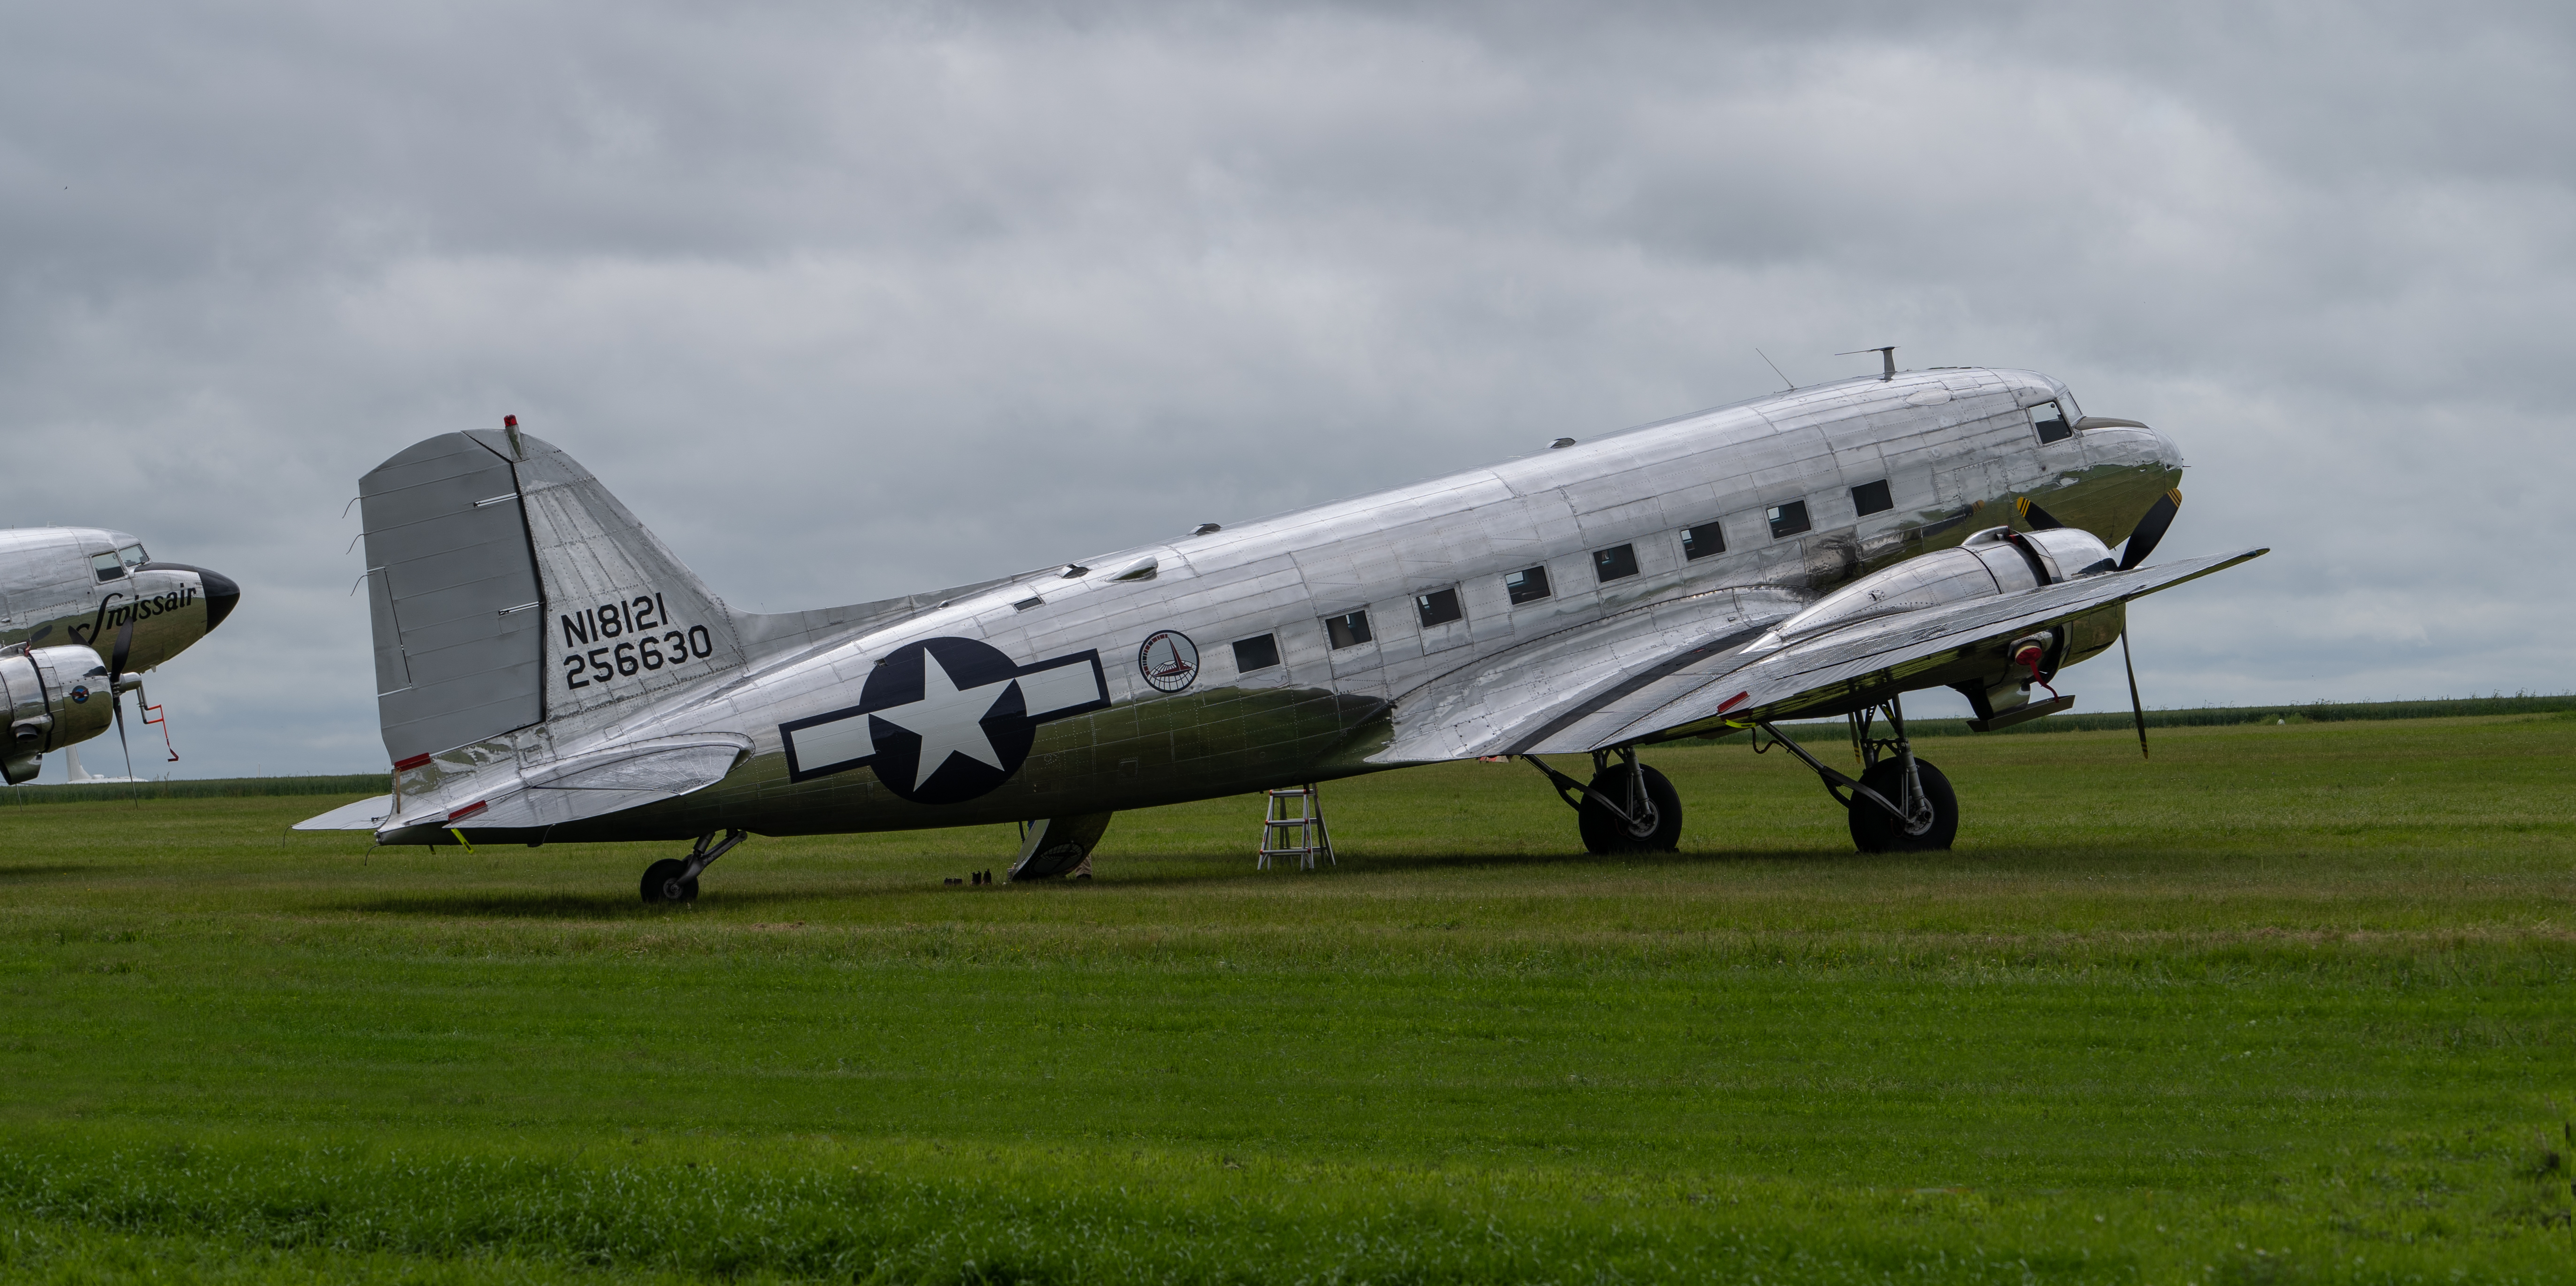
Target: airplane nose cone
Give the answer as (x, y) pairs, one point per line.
(2164, 450)
(2131, 442)
(221, 595)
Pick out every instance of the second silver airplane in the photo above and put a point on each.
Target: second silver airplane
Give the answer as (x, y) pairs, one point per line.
(83, 612)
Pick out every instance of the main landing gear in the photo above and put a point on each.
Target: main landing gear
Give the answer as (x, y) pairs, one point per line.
(1900, 804)
(1627, 808)
(675, 879)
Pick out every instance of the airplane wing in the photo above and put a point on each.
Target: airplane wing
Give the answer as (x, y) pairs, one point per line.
(1891, 654)
(551, 793)
(1684, 667)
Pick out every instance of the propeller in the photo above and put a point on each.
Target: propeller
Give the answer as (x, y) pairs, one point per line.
(116, 694)
(2137, 708)
(2150, 529)
(2142, 542)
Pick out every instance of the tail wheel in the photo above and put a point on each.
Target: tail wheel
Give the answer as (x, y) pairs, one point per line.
(1873, 831)
(668, 881)
(1654, 828)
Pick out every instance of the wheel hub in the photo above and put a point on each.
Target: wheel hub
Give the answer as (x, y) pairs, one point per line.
(1643, 819)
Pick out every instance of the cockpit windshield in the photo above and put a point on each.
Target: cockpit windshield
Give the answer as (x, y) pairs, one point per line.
(134, 555)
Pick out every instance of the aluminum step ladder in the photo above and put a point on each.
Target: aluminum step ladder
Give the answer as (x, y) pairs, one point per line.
(1292, 825)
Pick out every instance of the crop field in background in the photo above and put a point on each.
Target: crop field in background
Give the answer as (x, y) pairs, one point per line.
(2287, 1003)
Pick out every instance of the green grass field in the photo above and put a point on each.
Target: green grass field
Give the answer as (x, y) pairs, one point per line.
(2288, 1003)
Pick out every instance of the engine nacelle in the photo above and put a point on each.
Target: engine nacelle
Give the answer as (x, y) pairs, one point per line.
(55, 697)
(1995, 561)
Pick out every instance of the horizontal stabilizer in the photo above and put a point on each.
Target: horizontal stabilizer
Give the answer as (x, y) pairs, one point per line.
(593, 784)
(365, 815)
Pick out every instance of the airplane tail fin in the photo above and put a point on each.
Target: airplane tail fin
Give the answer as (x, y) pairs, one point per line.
(509, 590)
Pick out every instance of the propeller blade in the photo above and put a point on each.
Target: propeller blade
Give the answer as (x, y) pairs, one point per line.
(2040, 519)
(120, 737)
(2151, 529)
(115, 673)
(2136, 707)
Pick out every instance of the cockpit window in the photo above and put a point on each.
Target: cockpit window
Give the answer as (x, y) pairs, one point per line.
(108, 566)
(134, 555)
(2051, 423)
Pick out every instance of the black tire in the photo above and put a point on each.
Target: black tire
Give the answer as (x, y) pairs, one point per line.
(663, 885)
(1659, 831)
(1873, 831)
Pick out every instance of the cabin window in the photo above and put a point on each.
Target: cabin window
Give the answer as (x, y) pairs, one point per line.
(1252, 654)
(1788, 519)
(1439, 607)
(1526, 586)
(1703, 540)
(1614, 563)
(1347, 631)
(2051, 423)
(108, 566)
(1871, 497)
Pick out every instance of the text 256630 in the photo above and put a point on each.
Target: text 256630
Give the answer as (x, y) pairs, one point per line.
(627, 638)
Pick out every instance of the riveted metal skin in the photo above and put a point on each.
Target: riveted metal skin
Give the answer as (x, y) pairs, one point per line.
(1036, 696)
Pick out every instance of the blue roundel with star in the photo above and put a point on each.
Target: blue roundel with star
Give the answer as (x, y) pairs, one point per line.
(943, 720)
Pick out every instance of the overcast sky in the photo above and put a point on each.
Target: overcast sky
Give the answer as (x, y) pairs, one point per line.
(852, 301)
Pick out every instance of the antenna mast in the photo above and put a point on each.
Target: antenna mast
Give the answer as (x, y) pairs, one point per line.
(1886, 358)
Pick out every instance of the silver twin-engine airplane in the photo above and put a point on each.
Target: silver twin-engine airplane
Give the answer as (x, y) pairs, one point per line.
(83, 611)
(547, 670)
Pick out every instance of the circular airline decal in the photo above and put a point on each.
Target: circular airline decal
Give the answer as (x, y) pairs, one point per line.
(1168, 660)
(79, 695)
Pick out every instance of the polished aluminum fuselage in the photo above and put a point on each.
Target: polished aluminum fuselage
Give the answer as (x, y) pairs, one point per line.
(1955, 449)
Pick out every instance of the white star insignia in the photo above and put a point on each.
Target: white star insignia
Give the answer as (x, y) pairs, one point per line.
(948, 719)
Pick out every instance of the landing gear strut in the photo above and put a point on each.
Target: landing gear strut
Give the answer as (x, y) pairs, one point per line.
(1900, 804)
(675, 879)
(1627, 808)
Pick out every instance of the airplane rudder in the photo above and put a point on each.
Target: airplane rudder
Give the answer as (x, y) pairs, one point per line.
(451, 592)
